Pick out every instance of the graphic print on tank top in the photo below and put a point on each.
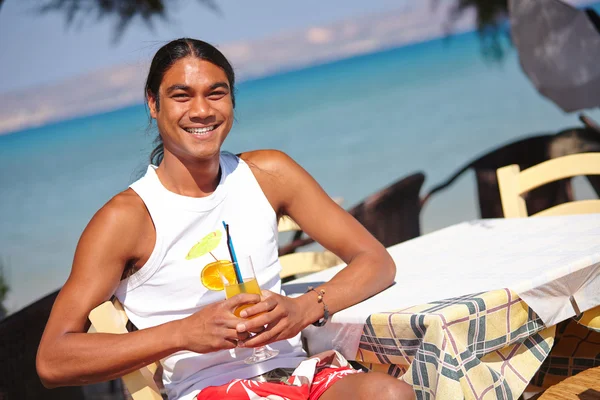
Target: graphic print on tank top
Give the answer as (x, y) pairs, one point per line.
(205, 246)
(210, 274)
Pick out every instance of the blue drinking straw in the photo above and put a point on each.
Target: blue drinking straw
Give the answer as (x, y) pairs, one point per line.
(236, 267)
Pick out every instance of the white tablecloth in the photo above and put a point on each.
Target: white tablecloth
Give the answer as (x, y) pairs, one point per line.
(545, 260)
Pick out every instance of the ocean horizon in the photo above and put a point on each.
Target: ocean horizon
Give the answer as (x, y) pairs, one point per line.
(357, 125)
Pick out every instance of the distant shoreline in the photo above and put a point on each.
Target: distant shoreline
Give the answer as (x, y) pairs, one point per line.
(121, 86)
(60, 118)
(280, 73)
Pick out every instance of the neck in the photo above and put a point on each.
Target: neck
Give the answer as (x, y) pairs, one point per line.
(198, 178)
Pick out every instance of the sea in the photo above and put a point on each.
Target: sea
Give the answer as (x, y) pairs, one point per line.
(357, 125)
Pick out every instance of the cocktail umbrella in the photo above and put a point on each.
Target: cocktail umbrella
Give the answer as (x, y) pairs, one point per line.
(559, 50)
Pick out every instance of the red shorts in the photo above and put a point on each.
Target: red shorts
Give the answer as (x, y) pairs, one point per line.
(308, 382)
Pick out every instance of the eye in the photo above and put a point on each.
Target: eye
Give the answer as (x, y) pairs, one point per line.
(216, 95)
(180, 95)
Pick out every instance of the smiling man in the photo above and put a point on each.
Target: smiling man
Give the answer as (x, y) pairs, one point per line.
(135, 248)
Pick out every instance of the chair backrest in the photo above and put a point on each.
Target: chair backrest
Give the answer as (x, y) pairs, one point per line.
(109, 317)
(392, 215)
(514, 183)
(287, 224)
(306, 262)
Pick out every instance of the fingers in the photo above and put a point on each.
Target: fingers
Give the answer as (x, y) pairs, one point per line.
(226, 319)
(269, 335)
(268, 304)
(257, 330)
(233, 335)
(257, 325)
(220, 340)
(239, 299)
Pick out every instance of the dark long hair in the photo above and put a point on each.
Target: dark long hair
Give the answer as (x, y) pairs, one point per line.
(164, 59)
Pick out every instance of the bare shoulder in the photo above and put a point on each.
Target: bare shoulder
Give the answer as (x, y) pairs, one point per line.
(125, 210)
(279, 177)
(269, 161)
(120, 236)
(274, 170)
(127, 202)
(119, 226)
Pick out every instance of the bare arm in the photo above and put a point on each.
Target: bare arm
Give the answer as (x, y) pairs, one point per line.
(121, 233)
(292, 191)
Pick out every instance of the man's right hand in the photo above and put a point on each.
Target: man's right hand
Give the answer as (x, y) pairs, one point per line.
(213, 328)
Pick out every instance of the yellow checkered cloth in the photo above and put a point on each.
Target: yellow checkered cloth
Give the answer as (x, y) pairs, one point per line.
(480, 346)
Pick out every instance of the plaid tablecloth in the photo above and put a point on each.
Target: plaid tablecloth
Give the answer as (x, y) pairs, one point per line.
(481, 346)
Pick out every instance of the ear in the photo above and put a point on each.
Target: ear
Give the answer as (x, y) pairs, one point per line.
(152, 106)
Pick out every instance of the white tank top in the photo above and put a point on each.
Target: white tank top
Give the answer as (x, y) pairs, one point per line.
(168, 286)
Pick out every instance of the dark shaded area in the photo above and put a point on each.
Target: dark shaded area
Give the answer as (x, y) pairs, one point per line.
(589, 394)
(20, 335)
(594, 18)
(4, 289)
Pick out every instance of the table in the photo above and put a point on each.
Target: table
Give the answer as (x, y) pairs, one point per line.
(475, 306)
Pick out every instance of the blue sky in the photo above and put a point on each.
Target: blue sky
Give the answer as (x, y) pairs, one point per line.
(37, 50)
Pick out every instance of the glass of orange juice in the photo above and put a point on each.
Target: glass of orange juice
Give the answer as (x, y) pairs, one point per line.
(248, 284)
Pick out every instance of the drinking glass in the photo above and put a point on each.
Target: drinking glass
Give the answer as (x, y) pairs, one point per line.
(249, 284)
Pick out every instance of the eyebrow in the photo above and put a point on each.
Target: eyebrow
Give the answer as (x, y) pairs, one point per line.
(175, 87)
(223, 85)
(179, 86)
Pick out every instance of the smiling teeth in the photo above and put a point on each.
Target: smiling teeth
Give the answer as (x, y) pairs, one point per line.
(200, 131)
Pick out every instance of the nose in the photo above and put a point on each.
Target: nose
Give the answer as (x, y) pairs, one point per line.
(200, 108)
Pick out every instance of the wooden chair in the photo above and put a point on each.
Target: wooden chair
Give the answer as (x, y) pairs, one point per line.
(514, 183)
(303, 262)
(109, 317)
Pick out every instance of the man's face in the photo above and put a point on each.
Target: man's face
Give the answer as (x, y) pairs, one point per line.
(195, 113)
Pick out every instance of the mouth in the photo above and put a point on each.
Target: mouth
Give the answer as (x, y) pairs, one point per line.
(202, 132)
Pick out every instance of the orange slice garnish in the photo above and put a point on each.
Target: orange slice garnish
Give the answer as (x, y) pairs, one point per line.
(211, 277)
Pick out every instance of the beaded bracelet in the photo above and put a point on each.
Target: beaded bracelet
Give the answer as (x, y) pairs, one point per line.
(320, 295)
